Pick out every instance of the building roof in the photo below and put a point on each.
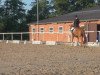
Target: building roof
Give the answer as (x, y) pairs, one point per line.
(86, 14)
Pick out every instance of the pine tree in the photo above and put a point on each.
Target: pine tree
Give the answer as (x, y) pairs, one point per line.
(1, 21)
(14, 14)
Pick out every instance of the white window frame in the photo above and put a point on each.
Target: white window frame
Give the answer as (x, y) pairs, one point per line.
(60, 31)
(41, 31)
(51, 31)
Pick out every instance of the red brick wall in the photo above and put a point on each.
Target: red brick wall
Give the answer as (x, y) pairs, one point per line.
(62, 37)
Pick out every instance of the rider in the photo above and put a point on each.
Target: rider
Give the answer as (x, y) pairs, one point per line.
(76, 23)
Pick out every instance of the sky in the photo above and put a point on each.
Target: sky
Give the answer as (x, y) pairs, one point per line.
(28, 2)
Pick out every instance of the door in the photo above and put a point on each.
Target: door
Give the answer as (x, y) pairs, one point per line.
(92, 36)
(98, 33)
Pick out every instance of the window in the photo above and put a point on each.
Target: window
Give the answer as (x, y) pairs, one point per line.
(60, 29)
(51, 29)
(33, 30)
(41, 30)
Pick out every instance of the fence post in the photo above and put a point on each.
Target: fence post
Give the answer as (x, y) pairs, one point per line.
(98, 36)
(86, 36)
(12, 36)
(31, 36)
(57, 37)
(21, 37)
(3, 37)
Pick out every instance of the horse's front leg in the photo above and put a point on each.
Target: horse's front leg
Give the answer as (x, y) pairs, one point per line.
(72, 43)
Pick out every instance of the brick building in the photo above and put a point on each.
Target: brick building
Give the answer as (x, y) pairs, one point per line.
(56, 29)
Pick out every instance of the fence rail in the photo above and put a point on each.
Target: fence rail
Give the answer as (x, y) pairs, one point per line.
(25, 35)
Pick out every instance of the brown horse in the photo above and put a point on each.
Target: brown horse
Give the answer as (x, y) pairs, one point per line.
(79, 33)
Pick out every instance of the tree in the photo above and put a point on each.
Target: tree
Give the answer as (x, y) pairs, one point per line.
(84, 4)
(97, 2)
(44, 10)
(66, 6)
(14, 15)
(1, 21)
(61, 6)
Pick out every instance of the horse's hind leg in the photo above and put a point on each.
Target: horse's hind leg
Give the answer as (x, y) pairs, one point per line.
(81, 41)
(78, 42)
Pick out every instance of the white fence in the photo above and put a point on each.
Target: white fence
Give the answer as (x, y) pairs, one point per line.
(24, 36)
(13, 36)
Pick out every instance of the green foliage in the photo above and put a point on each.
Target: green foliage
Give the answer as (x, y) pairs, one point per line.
(61, 6)
(1, 21)
(13, 15)
(1, 26)
(44, 10)
(66, 6)
(84, 3)
(98, 2)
